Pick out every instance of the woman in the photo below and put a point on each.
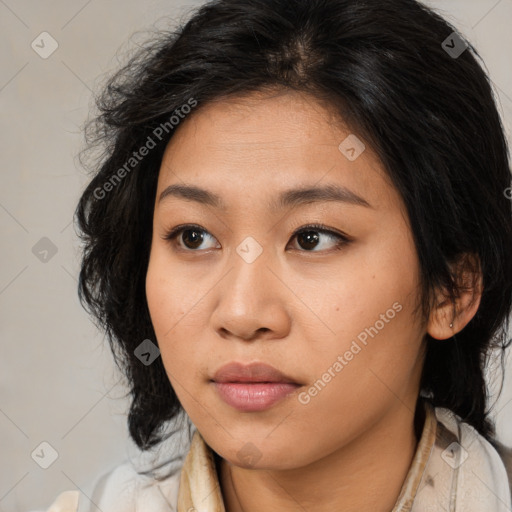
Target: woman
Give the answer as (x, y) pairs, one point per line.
(300, 236)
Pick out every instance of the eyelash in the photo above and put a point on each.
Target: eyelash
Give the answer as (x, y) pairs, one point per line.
(343, 239)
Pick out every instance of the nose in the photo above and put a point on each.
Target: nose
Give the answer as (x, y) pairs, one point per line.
(252, 302)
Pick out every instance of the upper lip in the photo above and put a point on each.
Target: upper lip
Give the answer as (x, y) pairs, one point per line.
(254, 372)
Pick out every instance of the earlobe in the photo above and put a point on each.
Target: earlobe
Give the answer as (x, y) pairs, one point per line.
(448, 317)
(442, 321)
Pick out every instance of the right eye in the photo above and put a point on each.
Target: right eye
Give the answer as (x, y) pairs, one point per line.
(191, 236)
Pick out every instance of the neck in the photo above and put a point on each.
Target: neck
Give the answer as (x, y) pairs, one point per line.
(366, 474)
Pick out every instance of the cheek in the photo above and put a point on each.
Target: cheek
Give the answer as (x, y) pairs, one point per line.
(165, 306)
(161, 303)
(169, 293)
(369, 308)
(176, 315)
(369, 280)
(370, 364)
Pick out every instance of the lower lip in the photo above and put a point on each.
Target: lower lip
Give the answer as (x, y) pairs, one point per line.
(250, 397)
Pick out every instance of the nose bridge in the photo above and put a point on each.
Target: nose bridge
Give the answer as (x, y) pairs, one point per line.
(250, 261)
(250, 299)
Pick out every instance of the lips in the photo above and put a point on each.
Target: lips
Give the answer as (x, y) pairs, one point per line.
(254, 372)
(252, 388)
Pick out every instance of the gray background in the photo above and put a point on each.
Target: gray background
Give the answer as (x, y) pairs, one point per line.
(58, 380)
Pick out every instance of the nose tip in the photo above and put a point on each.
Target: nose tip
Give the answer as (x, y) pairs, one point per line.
(244, 327)
(248, 334)
(251, 304)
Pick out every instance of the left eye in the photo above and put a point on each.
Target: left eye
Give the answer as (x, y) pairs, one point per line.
(308, 237)
(311, 236)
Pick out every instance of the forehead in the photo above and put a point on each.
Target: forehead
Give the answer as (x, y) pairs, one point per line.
(263, 143)
(262, 121)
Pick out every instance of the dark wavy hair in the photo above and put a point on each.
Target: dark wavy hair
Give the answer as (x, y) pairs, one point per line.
(384, 67)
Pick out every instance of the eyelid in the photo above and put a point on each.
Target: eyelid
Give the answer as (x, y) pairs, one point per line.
(181, 227)
(322, 228)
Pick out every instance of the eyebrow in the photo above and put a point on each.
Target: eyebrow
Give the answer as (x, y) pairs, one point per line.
(289, 198)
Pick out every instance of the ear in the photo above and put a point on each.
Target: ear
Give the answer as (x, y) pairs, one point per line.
(468, 276)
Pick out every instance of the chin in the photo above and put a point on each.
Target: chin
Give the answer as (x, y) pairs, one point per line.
(271, 455)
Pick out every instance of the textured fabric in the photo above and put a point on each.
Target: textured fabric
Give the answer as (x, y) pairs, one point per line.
(66, 501)
(454, 469)
(464, 473)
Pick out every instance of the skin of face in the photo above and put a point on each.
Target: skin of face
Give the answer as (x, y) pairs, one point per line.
(296, 307)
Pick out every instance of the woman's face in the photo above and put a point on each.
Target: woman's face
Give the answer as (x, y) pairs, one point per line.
(335, 314)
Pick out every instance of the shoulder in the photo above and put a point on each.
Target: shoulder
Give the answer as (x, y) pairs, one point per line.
(490, 460)
(505, 454)
(122, 489)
